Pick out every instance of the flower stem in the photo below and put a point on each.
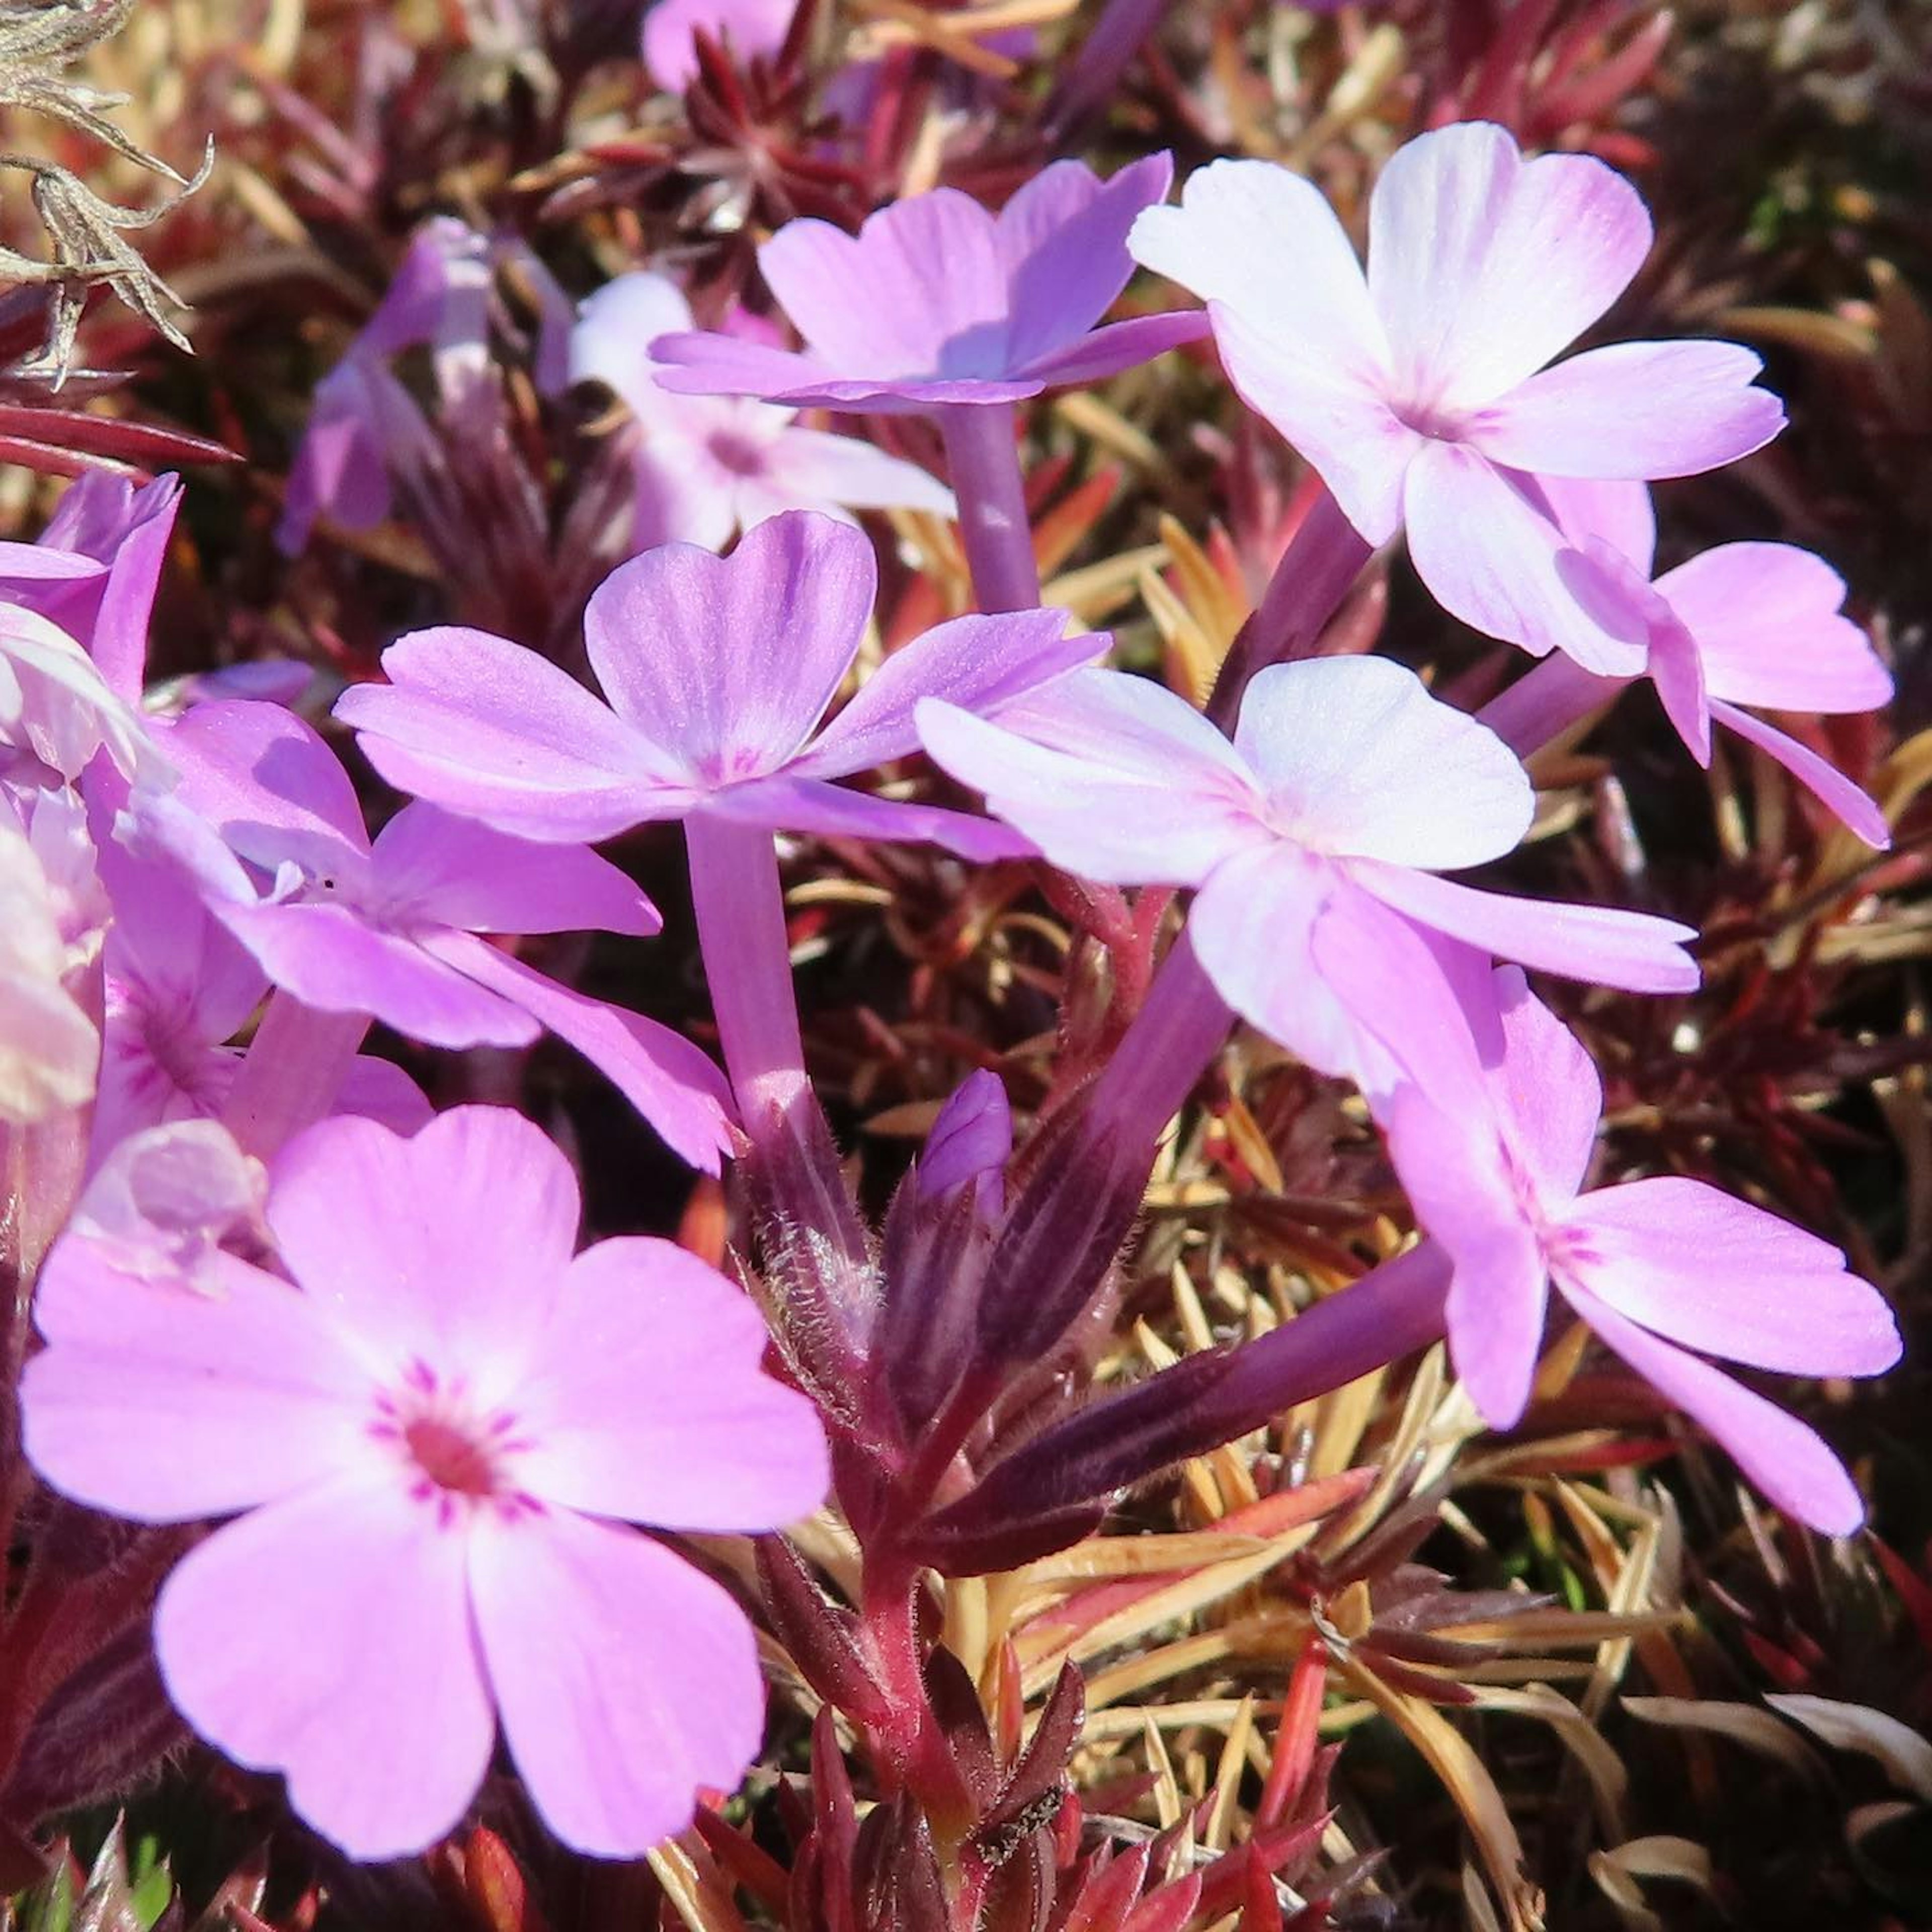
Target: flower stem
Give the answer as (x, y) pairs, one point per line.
(1174, 1035)
(739, 906)
(982, 452)
(1317, 569)
(1123, 29)
(291, 1074)
(1546, 701)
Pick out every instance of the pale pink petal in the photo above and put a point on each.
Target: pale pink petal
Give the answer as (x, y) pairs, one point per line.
(1301, 342)
(659, 1072)
(1635, 410)
(446, 1247)
(1138, 757)
(787, 804)
(1343, 427)
(627, 1681)
(707, 362)
(329, 1637)
(1483, 266)
(812, 469)
(429, 865)
(1358, 760)
(645, 1400)
(1452, 1168)
(1599, 944)
(609, 343)
(1844, 799)
(1387, 976)
(333, 959)
(981, 663)
(728, 662)
(919, 291)
(1063, 238)
(483, 727)
(1789, 1461)
(1619, 513)
(1768, 620)
(1550, 1095)
(683, 494)
(1714, 1273)
(338, 471)
(1489, 556)
(746, 29)
(167, 1402)
(1252, 926)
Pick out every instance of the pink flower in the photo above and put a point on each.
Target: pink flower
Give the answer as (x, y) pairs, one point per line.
(1346, 789)
(179, 987)
(1658, 1268)
(1744, 624)
(48, 1047)
(937, 302)
(436, 1432)
(266, 825)
(1415, 390)
(708, 466)
(748, 27)
(718, 671)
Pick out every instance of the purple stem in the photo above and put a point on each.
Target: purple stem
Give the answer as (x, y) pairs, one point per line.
(1123, 29)
(1176, 1032)
(1546, 701)
(1204, 1400)
(983, 453)
(291, 1074)
(739, 906)
(1317, 569)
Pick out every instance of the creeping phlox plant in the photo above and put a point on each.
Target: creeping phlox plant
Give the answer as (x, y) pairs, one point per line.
(437, 1505)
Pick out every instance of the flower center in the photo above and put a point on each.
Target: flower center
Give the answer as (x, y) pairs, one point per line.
(738, 453)
(455, 1449)
(1429, 419)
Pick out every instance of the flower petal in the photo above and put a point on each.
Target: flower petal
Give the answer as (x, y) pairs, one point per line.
(979, 663)
(1116, 346)
(668, 1081)
(627, 1681)
(610, 341)
(167, 1403)
(726, 663)
(1713, 1273)
(1635, 409)
(448, 1246)
(1452, 1169)
(1789, 1461)
(1358, 760)
(334, 960)
(1860, 813)
(483, 727)
(430, 865)
(1489, 556)
(1767, 619)
(787, 804)
(327, 1637)
(1105, 758)
(1549, 1094)
(812, 469)
(1483, 266)
(921, 290)
(646, 1401)
(1601, 945)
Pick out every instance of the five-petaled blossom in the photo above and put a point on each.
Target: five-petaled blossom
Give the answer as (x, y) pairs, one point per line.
(706, 467)
(266, 824)
(1658, 1268)
(1419, 391)
(436, 1431)
(718, 671)
(1743, 624)
(936, 301)
(1347, 788)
